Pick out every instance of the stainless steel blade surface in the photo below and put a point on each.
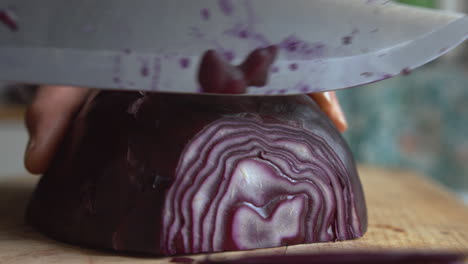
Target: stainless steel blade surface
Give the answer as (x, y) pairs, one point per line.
(156, 45)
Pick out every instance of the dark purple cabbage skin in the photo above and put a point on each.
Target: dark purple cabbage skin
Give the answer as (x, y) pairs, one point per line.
(108, 184)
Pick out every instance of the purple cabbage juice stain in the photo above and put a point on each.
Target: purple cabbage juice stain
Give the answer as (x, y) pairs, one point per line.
(382, 76)
(205, 14)
(244, 32)
(226, 6)
(302, 87)
(9, 19)
(184, 63)
(229, 56)
(386, 76)
(117, 69)
(406, 71)
(292, 44)
(144, 70)
(305, 88)
(378, 77)
(238, 31)
(297, 48)
(274, 69)
(294, 66)
(347, 40)
(367, 74)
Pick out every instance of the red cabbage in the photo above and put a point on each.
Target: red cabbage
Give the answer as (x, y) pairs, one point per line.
(176, 174)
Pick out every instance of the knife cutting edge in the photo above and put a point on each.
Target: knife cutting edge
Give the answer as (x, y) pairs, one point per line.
(148, 45)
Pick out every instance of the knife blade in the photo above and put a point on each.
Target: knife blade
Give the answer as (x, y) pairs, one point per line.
(157, 45)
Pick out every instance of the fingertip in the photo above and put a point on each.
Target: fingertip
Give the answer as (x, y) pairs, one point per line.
(30, 163)
(31, 117)
(47, 120)
(34, 161)
(342, 124)
(45, 140)
(341, 120)
(329, 104)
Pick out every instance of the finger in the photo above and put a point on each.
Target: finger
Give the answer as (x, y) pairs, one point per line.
(47, 120)
(330, 105)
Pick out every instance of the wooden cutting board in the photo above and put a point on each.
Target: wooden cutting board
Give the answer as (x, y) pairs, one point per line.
(406, 211)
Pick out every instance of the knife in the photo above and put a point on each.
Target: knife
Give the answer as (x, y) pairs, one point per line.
(157, 45)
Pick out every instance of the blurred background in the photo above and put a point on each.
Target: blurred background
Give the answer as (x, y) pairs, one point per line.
(419, 121)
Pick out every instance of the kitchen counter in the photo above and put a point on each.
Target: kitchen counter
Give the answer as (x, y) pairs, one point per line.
(406, 211)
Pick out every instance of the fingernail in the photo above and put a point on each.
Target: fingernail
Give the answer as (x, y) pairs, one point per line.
(341, 118)
(344, 122)
(330, 97)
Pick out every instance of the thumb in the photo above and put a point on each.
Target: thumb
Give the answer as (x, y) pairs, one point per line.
(330, 105)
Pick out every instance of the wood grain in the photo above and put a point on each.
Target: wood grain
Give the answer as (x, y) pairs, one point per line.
(406, 211)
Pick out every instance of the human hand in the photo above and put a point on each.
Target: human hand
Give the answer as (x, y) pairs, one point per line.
(47, 120)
